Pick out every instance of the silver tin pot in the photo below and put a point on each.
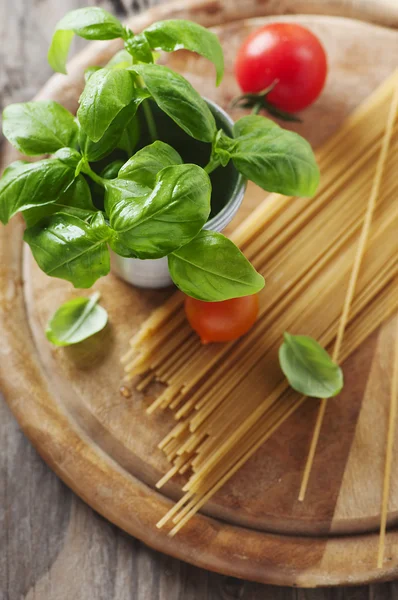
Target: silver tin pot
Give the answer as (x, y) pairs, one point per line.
(155, 273)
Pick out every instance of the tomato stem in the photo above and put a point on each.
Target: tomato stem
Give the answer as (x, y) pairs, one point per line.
(258, 101)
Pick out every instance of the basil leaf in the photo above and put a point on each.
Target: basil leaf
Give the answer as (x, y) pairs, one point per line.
(112, 169)
(180, 34)
(89, 71)
(32, 184)
(94, 151)
(121, 190)
(76, 321)
(178, 99)
(309, 368)
(69, 156)
(137, 46)
(75, 199)
(121, 60)
(91, 23)
(106, 93)
(130, 137)
(120, 193)
(40, 127)
(170, 216)
(70, 248)
(212, 268)
(14, 166)
(275, 159)
(144, 166)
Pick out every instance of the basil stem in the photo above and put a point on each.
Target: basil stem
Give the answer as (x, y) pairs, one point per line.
(88, 171)
(212, 165)
(150, 120)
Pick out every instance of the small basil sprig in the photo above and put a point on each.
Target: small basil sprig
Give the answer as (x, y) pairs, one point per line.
(76, 320)
(148, 204)
(309, 368)
(212, 268)
(275, 159)
(180, 34)
(144, 166)
(41, 127)
(76, 200)
(71, 248)
(171, 215)
(91, 23)
(178, 99)
(105, 95)
(27, 185)
(112, 137)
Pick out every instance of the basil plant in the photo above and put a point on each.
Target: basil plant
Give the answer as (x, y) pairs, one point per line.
(79, 201)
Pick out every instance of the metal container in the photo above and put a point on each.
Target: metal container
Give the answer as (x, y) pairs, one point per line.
(155, 273)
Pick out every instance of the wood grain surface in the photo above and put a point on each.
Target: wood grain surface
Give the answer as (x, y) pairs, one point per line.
(52, 546)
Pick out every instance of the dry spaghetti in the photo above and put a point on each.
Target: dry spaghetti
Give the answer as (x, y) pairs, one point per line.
(305, 248)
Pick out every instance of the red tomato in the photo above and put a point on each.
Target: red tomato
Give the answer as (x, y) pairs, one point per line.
(288, 53)
(221, 321)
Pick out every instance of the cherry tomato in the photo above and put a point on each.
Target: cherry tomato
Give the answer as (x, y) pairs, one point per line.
(289, 54)
(221, 321)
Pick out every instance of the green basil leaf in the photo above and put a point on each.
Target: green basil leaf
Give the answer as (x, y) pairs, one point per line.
(180, 34)
(69, 156)
(76, 199)
(212, 268)
(178, 99)
(27, 185)
(121, 190)
(91, 23)
(90, 71)
(94, 151)
(130, 137)
(40, 127)
(121, 60)
(70, 248)
(170, 216)
(137, 46)
(144, 166)
(14, 166)
(111, 171)
(76, 321)
(309, 368)
(107, 92)
(275, 159)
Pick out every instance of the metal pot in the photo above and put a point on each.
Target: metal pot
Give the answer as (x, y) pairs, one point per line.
(155, 273)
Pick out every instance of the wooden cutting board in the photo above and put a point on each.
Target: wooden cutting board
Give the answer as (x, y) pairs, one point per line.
(104, 446)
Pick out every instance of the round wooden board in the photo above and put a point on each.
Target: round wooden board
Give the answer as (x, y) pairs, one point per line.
(104, 446)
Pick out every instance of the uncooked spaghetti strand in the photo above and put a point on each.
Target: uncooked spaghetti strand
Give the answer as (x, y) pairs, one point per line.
(389, 453)
(376, 281)
(353, 280)
(281, 411)
(254, 443)
(195, 371)
(159, 316)
(224, 445)
(233, 470)
(372, 318)
(214, 383)
(300, 211)
(251, 449)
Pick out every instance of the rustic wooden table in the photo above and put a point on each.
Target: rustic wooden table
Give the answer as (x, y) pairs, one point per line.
(53, 546)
